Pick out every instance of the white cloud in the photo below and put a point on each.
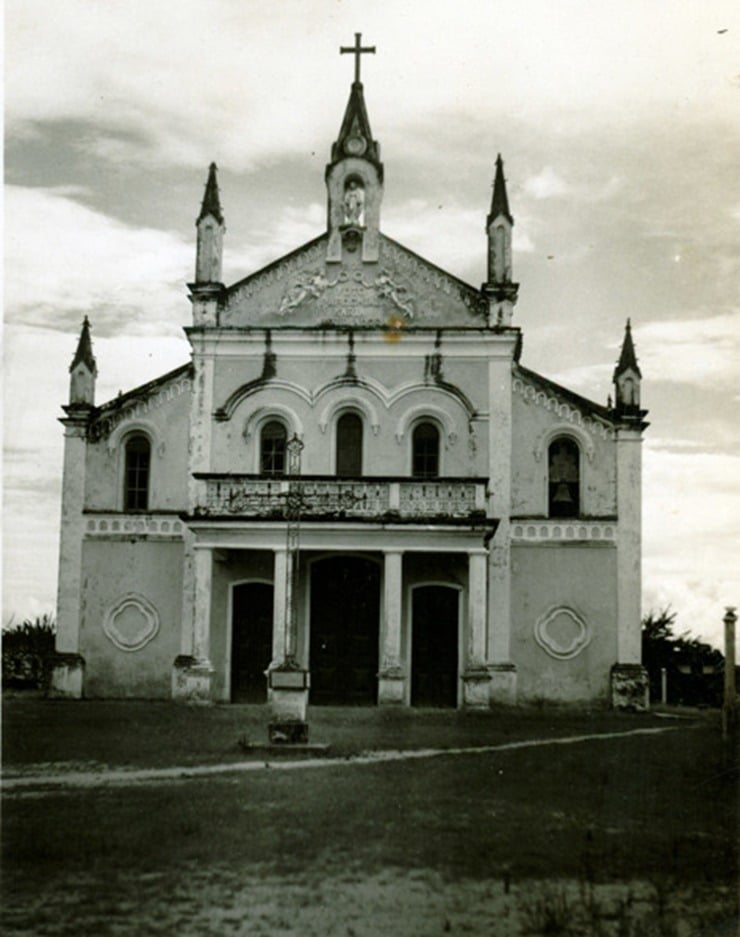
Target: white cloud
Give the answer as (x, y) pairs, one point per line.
(64, 260)
(225, 70)
(692, 351)
(691, 515)
(545, 184)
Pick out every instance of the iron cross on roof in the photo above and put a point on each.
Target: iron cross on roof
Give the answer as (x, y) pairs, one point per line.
(357, 49)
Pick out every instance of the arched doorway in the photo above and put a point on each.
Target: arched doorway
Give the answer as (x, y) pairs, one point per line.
(251, 641)
(345, 615)
(434, 646)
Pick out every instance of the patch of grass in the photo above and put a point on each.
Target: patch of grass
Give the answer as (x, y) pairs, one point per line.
(155, 734)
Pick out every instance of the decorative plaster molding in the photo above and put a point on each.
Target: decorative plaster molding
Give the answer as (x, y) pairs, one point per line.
(563, 530)
(574, 416)
(141, 626)
(136, 426)
(314, 284)
(262, 415)
(350, 402)
(563, 429)
(105, 525)
(137, 408)
(425, 412)
(550, 643)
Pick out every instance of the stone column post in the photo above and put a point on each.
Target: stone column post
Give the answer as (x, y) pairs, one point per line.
(630, 687)
(192, 673)
(69, 666)
(391, 678)
(476, 678)
(279, 607)
(500, 667)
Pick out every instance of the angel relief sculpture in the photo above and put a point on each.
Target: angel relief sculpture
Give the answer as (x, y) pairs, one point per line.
(398, 295)
(311, 283)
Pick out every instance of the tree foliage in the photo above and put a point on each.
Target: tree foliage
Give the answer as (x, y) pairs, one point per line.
(28, 653)
(693, 668)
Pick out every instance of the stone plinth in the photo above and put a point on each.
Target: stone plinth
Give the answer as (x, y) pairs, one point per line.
(191, 680)
(67, 676)
(476, 688)
(503, 684)
(391, 687)
(630, 687)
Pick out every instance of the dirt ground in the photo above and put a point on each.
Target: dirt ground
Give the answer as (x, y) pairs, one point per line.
(581, 825)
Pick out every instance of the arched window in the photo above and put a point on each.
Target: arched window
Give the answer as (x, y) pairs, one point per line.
(272, 448)
(349, 445)
(136, 475)
(563, 478)
(425, 451)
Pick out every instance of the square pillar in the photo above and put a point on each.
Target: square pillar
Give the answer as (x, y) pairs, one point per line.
(192, 673)
(391, 677)
(476, 678)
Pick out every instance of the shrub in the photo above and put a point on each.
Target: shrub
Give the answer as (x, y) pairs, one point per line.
(28, 653)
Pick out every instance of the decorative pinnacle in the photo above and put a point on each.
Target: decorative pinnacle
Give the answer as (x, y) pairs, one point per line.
(84, 353)
(500, 200)
(211, 204)
(627, 358)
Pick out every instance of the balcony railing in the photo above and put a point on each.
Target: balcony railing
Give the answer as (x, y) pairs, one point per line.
(335, 498)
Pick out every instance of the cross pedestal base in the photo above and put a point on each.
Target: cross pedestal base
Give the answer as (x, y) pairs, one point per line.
(630, 688)
(288, 694)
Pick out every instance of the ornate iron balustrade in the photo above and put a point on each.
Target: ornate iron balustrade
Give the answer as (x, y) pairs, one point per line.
(330, 497)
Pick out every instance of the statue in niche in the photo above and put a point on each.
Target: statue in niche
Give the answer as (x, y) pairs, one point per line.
(354, 202)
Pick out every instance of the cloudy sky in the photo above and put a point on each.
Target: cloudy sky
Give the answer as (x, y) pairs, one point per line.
(618, 123)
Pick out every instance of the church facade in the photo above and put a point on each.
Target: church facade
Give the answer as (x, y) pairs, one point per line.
(355, 492)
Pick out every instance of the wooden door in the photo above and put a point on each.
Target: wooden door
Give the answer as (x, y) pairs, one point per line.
(251, 644)
(434, 646)
(345, 617)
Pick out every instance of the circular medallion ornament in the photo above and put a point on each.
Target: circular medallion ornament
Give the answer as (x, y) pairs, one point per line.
(131, 623)
(355, 145)
(562, 633)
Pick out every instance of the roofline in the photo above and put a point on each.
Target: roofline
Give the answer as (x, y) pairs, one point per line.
(431, 263)
(275, 263)
(140, 391)
(582, 402)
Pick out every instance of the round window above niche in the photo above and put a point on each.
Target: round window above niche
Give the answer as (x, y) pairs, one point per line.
(355, 145)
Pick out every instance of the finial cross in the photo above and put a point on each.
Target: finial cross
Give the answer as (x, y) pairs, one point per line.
(357, 49)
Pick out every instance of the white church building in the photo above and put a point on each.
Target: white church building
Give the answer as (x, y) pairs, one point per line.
(354, 492)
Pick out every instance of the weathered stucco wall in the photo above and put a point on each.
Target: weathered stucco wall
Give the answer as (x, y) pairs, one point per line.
(388, 417)
(165, 422)
(131, 592)
(563, 596)
(533, 426)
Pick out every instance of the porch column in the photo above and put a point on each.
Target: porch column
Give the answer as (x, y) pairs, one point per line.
(279, 608)
(476, 678)
(192, 673)
(391, 682)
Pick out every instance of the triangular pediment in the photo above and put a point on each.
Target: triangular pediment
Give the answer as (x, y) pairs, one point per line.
(401, 289)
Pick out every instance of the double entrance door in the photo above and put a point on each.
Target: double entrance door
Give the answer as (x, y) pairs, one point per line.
(344, 625)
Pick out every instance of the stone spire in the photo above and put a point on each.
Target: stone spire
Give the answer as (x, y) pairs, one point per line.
(501, 291)
(83, 371)
(627, 377)
(354, 178)
(500, 200)
(207, 290)
(211, 203)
